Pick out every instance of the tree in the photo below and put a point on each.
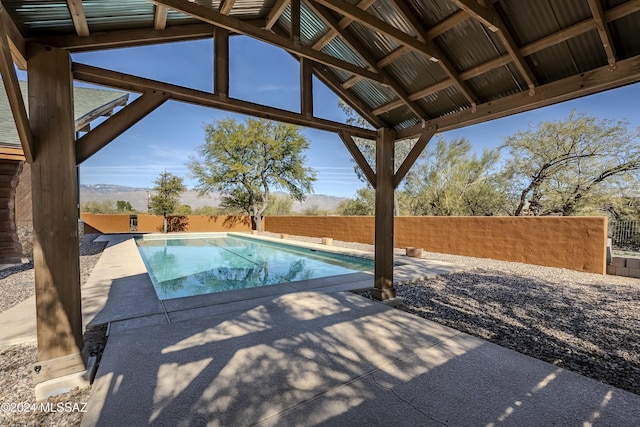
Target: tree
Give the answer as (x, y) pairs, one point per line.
(124, 206)
(247, 161)
(168, 188)
(97, 207)
(279, 205)
(452, 180)
(565, 167)
(362, 204)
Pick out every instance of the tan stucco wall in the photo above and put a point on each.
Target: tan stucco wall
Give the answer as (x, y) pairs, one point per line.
(577, 243)
(152, 223)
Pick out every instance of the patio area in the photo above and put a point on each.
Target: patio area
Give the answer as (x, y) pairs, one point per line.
(316, 356)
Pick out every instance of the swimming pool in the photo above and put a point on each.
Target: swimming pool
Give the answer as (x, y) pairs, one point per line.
(185, 266)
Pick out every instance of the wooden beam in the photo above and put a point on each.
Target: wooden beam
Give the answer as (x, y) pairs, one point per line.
(7, 153)
(433, 32)
(127, 38)
(275, 12)
(413, 155)
(117, 124)
(603, 30)
(380, 26)
(213, 17)
(226, 6)
(351, 81)
(363, 52)
(342, 24)
(328, 78)
(221, 62)
(490, 18)
(14, 37)
(54, 183)
(306, 88)
(529, 49)
(586, 83)
(383, 269)
(160, 17)
(132, 83)
(79, 19)
(14, 95)
(358, 157)
(295, 21)
(486, 16)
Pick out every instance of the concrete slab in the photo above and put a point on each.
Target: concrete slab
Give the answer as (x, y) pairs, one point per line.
(19, 323)
(312, 358)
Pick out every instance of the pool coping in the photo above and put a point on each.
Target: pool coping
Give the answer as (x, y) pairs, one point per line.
(120, 293)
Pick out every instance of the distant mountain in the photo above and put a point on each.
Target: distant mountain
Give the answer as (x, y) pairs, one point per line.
(138, 197)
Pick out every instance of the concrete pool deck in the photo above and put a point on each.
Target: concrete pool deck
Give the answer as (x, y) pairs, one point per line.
(286, 355)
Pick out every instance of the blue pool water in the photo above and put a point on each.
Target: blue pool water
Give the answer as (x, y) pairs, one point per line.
(193, 266)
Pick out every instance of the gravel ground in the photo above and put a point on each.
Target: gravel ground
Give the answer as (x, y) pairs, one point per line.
(587, 323)
(16, 361)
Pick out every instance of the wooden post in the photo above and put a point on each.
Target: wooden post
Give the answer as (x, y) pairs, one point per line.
(383, 271)
(54, 197)
(306, 88)
(221, 62)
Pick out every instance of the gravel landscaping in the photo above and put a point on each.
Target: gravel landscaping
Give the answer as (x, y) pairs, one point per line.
(584, 322)
(16, 361)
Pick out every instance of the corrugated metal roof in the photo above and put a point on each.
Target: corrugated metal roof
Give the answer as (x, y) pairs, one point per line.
(467, 45)
(416, 72)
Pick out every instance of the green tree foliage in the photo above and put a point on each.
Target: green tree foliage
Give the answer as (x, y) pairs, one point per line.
(570, 166)
(124, 206)
(183, 210)
(452, 180)
(168, 188)
(208, 210)
(98, 207)
(279, 205)
(247, 161)
(362, 204)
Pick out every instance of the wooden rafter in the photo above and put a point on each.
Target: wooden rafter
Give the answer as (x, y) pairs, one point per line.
(226, 6)
(160, 17)
(360, 49)
(12, 87)
(110, 129)
(16, 42)
(410, 17)
(488, 17)
(104, 110)
(359, 107)
(138, 84)
(213, 17)
(295, 20)
(79, 19)
(275, 12)
(603, 30)
(342, 24)
(575, 30)
(433, 32)
(587, 83)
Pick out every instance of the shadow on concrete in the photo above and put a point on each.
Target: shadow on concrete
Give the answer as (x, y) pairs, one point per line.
(311, 358)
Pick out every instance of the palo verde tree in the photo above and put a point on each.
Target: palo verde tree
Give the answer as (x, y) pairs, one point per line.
(567, 167)
(168, 188)
(450, 179)
(246, 162)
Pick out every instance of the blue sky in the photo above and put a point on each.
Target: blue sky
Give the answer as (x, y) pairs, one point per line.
(267, 75)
